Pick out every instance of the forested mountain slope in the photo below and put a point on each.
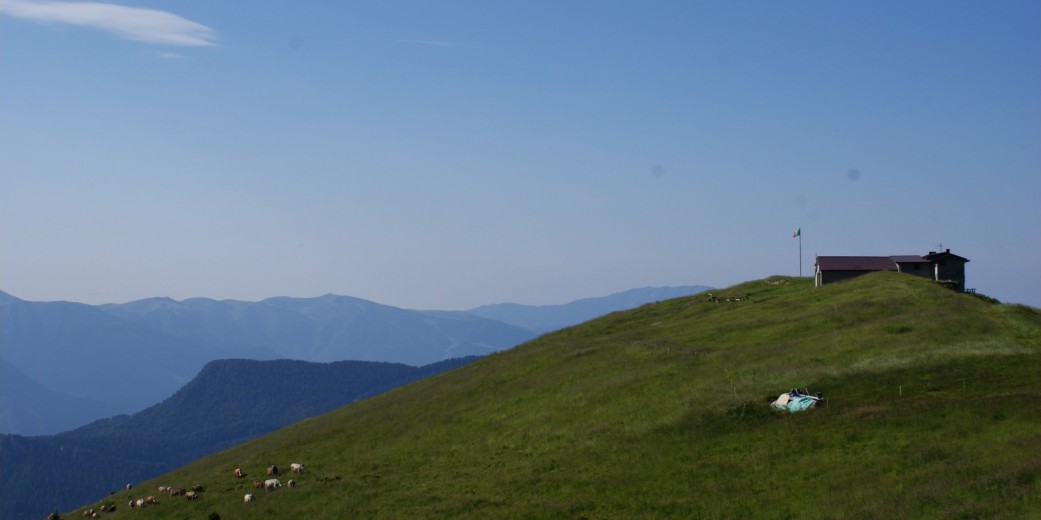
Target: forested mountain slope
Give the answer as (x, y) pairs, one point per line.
(229, 402)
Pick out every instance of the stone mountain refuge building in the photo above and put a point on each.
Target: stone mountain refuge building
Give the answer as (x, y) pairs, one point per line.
(944, 267)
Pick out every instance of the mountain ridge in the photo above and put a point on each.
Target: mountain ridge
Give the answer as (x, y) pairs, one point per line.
(664, 412)
(146, 349)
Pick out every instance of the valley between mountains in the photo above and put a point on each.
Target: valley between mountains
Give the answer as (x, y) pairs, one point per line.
(222, 372)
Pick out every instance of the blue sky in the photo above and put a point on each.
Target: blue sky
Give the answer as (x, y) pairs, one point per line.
(451, 154)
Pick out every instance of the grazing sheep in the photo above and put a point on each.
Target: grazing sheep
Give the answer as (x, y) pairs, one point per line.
(272, 483)
(257, 484)
(238, 473)
(191, 496)
(272, 470)
(248, 498)
(291, 483)
(296, 467)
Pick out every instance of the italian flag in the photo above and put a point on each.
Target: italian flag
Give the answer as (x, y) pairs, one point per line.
(798, 233)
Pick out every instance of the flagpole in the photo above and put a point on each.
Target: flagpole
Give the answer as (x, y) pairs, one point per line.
(798, 233)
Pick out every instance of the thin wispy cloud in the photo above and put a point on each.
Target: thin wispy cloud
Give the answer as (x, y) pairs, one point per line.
(131, 23)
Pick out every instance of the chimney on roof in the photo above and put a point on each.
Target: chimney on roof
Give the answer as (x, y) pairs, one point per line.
(948, 250)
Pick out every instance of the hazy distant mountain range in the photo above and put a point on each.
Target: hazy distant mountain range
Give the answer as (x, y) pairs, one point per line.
(326, 328)
(65, 364)
(81, 351)
(123, 358)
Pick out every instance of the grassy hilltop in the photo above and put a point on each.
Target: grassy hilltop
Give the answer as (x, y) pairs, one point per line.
(662, 412)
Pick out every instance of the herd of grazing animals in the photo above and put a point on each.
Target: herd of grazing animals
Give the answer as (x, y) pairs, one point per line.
(269, 484)
(194, 493)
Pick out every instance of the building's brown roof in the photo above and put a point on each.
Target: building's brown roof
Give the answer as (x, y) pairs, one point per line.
(909, 259)
(856, 263)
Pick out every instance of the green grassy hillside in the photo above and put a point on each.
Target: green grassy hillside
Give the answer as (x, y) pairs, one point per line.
(663, 412)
